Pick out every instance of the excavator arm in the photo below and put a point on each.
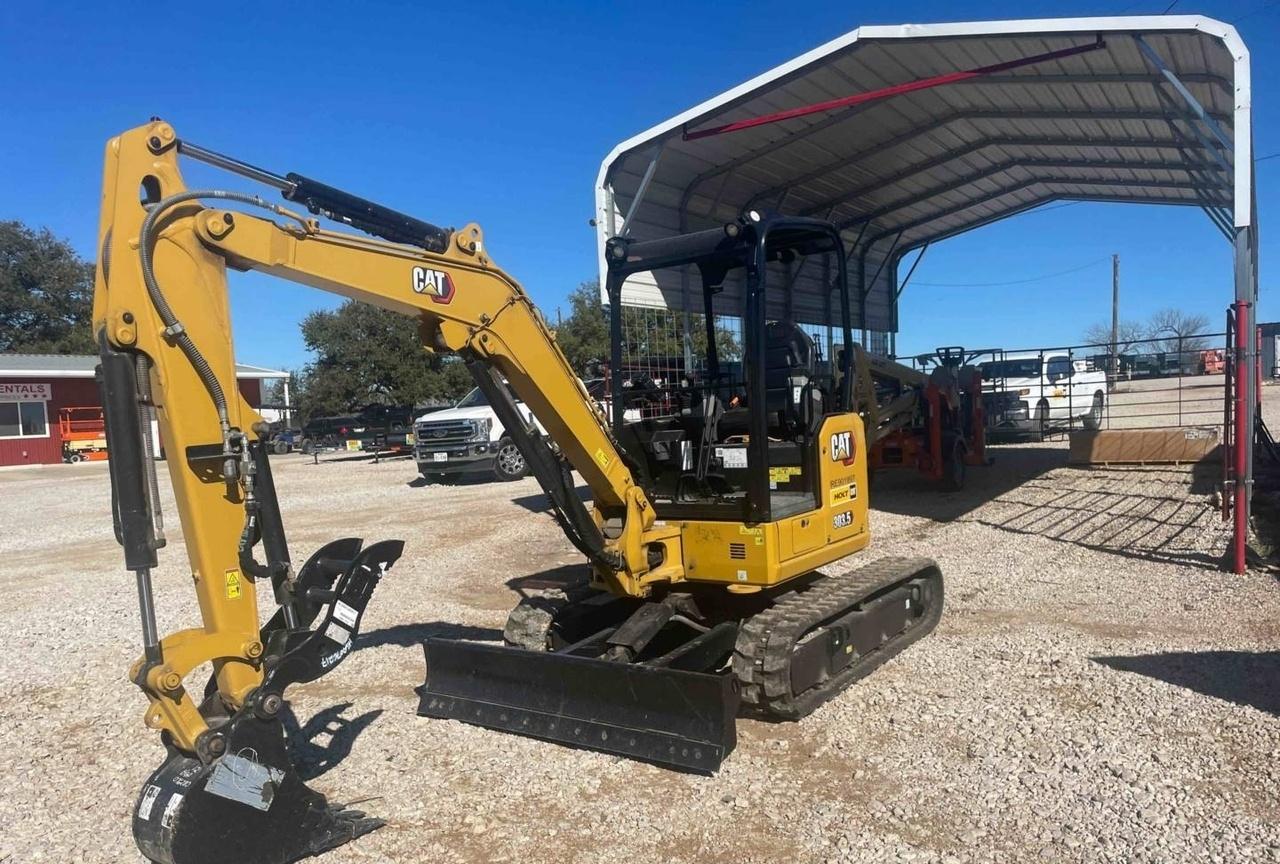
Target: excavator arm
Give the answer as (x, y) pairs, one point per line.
(468, 306)
(162, 322)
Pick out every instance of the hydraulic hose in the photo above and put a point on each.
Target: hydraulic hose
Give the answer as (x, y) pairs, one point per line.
(173, 327)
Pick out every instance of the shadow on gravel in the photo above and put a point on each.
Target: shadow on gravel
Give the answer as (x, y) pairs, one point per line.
(325, 740)
(557, 577)
(1163, 525)
(903, 491)
(1244, 677)
(405, 635)
(1156, 513)
(339, 456)
(539, 503)
(469, 479)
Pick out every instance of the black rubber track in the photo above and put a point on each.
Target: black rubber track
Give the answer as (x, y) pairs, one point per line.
(766, 641)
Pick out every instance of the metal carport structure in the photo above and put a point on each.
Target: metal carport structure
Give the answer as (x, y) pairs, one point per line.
(906, 135)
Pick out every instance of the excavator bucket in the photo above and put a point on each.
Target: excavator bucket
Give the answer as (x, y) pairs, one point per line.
(654, 712)
(248, 804)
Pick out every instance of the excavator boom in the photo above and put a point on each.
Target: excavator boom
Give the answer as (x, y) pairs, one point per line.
(162, 324)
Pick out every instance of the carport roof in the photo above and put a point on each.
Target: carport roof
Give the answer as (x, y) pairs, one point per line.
(1144, 109)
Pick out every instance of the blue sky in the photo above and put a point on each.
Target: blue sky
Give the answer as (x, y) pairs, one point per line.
(500, 113)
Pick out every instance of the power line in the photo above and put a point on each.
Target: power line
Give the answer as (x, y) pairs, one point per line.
(1054, 207)
(1028, 281)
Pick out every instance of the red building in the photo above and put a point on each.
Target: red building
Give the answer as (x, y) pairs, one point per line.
(35, 387)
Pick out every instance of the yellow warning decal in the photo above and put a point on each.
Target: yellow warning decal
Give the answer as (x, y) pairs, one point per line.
(783, 474)
(602, 458)
(750, 532)
(232, 581)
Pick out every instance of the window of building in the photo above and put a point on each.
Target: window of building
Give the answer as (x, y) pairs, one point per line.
(23, 420)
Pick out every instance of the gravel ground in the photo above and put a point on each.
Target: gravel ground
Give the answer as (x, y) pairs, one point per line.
(1098, 690)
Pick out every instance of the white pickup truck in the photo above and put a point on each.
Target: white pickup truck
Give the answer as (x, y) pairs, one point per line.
(1033, 391)
(467, 439)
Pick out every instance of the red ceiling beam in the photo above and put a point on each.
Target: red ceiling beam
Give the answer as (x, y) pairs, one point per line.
(894, 90)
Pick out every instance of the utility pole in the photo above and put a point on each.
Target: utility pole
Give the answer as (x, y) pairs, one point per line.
(1115, 316)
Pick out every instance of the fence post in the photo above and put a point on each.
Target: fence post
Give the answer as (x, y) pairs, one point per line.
(1071, 390)
(1180, 362)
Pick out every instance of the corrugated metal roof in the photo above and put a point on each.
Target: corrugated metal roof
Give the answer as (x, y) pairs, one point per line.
(902, 171)
(82, 366)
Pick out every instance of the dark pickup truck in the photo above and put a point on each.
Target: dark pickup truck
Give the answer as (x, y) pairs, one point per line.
(376, 427)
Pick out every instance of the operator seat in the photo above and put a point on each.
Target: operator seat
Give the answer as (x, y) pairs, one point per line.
(792, 399)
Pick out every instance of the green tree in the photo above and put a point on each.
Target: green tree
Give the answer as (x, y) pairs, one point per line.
(365, 355)
(584, 335)
(46, 293)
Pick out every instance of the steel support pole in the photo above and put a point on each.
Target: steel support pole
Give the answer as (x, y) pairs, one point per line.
(1192, 102)
(826, 315)
(611, 212)
(1115, 317)
(867, 288)
(641, 190)
(1246, 382)
(912, 269)
(1243, 439)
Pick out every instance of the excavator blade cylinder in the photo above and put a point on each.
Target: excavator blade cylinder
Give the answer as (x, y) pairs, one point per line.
(668, 716)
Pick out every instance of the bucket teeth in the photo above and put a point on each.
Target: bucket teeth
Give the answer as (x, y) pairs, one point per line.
(249, 806)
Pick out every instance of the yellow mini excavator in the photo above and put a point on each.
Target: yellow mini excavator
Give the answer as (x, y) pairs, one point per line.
(717, 494)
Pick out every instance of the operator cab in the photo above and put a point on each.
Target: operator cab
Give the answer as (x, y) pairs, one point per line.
(733, 436)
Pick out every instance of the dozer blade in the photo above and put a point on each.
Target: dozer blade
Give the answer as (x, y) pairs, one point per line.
(657, 714)
(248, 805)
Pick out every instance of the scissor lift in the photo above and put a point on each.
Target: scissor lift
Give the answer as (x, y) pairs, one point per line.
(83, 433)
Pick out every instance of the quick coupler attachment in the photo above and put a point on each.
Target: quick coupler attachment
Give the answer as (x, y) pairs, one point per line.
(249, 805)
(651, 711)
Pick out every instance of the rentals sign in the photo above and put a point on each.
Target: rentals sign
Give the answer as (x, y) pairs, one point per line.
(42, 392)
